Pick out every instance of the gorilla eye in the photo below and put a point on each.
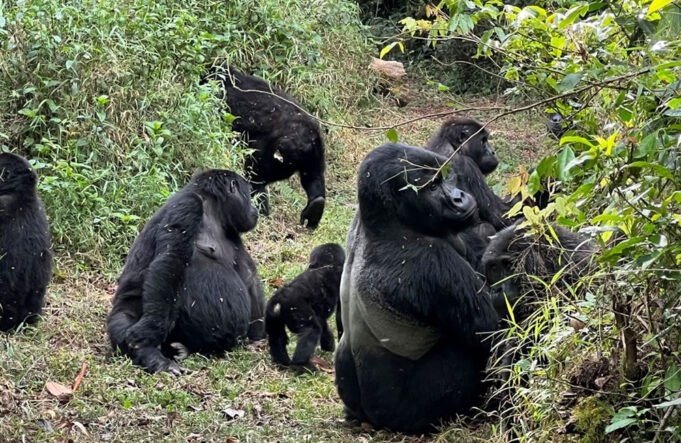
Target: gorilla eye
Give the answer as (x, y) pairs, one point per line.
(434, 185)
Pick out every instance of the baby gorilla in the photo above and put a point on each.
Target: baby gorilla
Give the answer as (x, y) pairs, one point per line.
(304, 305)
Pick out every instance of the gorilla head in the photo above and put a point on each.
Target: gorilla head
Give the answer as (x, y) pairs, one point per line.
(229, 193)
(18, 182)
(453, 134)
(414, 187)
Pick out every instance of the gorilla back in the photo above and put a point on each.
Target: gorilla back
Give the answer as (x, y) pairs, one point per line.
(25, 255)
(284, 140)
(414, 312)
(188, 278)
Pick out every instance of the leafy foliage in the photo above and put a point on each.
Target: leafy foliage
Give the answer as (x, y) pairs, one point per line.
(107, 99)
(612, 70)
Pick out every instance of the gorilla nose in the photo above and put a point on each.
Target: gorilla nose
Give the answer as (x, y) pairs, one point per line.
(458, 196)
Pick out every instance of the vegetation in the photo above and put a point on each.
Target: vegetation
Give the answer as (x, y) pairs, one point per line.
(107, 100)
(612, 70)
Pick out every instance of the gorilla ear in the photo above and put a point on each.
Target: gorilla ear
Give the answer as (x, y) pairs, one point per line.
(232, 186)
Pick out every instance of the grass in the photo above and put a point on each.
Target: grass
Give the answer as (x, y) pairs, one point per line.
(119, 402)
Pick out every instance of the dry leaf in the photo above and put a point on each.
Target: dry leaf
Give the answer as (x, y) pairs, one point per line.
(276, 282)
(231, 440)
(366, 427)
(61, 392)
(79, 377)
(232, 414)
(322, 365)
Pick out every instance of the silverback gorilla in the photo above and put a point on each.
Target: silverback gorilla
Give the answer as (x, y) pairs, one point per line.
(413, 350)
(188, 282)
(285, 140)
(25, 255)
(304, 306)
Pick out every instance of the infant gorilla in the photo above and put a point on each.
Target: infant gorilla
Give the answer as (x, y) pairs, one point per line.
(304, 306)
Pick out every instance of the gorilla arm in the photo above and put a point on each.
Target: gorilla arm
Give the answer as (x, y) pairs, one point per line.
(174, 248)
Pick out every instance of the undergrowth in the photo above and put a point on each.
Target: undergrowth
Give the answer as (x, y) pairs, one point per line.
(106, 98)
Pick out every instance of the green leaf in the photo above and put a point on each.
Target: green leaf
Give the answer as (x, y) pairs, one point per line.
(659, 169)
(672, 379)
(673, 113)
(391, 134)
(576, 139)
(657, 5)
(669, 403)
(619, 424)
(572, 15)
(647, 145)
(569, 82)
(564, 158)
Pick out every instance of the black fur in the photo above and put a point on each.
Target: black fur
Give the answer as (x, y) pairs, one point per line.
(424, 360)
(513, 257)
(304, 306)
(188, 278)
(25, 252)
(454, 132)
(285, 140)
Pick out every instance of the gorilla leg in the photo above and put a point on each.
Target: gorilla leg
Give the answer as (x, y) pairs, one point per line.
(308, 337)
(327, 341)
(262, 170)
(348, 385)
(313, 183)
(276, 331)
(339, 320)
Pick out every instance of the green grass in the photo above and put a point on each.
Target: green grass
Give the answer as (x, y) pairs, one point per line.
(119, 402)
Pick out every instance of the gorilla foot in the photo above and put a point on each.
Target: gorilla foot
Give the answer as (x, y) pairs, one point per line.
(313, 212)
(303, 368)
(153, 361)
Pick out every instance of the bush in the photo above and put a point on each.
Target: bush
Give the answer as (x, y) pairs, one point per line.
(106, 97)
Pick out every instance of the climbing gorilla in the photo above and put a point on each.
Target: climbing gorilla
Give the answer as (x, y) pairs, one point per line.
(304, 306)
(188, 283)
(415, 314)
(284, 138)
(513, 259)
(454, 132)
(25, 252)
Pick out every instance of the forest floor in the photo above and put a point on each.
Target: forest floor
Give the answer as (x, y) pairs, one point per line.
(241, 397)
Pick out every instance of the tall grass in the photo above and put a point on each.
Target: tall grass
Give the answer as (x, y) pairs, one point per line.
(106, 99)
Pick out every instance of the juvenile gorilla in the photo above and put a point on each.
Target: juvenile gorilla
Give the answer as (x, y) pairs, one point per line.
(25, 255)
(188, 282)
(285, 140)
(454, 132)
(304, 306)
(512, 258)
(413, 350)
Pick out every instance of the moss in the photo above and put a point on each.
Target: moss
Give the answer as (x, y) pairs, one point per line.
(592, 415)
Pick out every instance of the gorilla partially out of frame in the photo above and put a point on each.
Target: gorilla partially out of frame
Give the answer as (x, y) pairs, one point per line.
(284, 138)
(513, 259)
(189, 283)
(25, 254)
(415, 314)
(304, 306)
(455, 132)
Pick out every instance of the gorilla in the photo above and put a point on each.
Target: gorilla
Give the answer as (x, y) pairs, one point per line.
(555, 125)
(415, 314)
(284, 139)
(304, 306)
(189, 283)
(454, 132)
(513, 259)
(25, 251)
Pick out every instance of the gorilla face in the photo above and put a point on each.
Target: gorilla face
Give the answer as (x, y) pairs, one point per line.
(479, 148)
(404, 183)
(232, 194)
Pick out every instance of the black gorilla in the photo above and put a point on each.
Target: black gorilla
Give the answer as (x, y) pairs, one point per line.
(513, 258)
(25, 254)
(413, 351)
(285, 140)
(454, 132)
(188, 281)
(304, 306)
